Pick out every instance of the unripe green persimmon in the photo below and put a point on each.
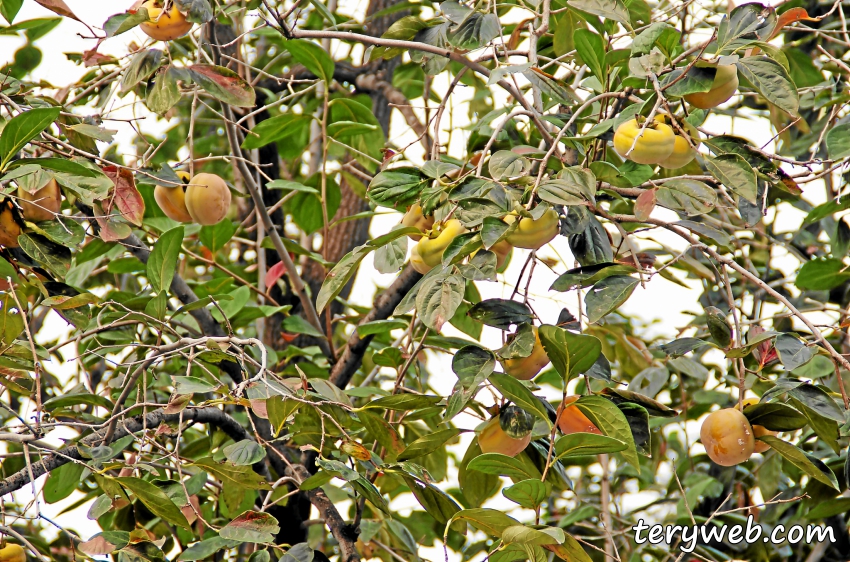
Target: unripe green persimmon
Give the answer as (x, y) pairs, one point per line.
(533, 234)
(428, 252)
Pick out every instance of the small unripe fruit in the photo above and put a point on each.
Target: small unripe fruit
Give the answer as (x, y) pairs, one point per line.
(526, 368)
(46, 202)
(9, 227)
(172, 200)
(723, 87)
(727, 437)
(573, 420)
(207, 199)
(164, 26)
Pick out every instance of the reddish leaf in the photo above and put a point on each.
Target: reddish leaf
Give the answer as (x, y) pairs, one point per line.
(274, 273)
(259, 408)
(93, 58)
(59, 7)
(224, 85)
(127, 198)
(789, 17)
(97, 546)
(644, 204)
(110, 229)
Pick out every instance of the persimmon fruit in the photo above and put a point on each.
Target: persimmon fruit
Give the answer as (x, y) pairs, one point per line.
(573, 420)
(172, 200)
(509, 433)
(414, 217)
(526, 368)
(532, 234)
(207, 199)
(723, 87)
(164, 25)
(428, 252)
(43, 205)
(655, 144)
(728, 437)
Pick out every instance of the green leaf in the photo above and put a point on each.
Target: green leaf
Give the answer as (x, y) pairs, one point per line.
(688, 196)
(503, 465)
(162, 262)
(792, 352)
(736, 174)
(241, 476)
(345, 269)
(805, 462)
(276, 129)
(611, 422)
(571, 354)
(471, 361)
(771, 80)
(206, 548)
(837, 506)
(357, 481)
(838, 143)
(54, 258)
(403, 402)
(251, 527)
(822, 275)
(428, 443)
(519, 394)
(529, 536)
(216, 236)
(507, 164)
(280, 409)
(62, 482)
(501, 313)
(155, 500)
(608, 9)
(439, 298)
(22, 129)
(245, 452)
(10, 8)
(313, 57)
(144, 63)
(490, 521)
(591, 49)
(528, 493)
(583, 444)
(68, 400)
(298, 325)
(607, 295)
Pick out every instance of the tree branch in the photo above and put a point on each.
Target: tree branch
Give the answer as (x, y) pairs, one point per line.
(386, 302)
(291, 272)
(211, 416)
(182, 291)
(344, 534)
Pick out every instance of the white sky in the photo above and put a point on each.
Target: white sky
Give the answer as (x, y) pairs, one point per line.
(663, 305)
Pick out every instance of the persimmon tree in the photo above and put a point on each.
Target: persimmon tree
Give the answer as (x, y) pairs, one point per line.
(180, 308)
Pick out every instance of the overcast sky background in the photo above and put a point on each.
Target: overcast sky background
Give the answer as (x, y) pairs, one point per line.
(663, 305)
